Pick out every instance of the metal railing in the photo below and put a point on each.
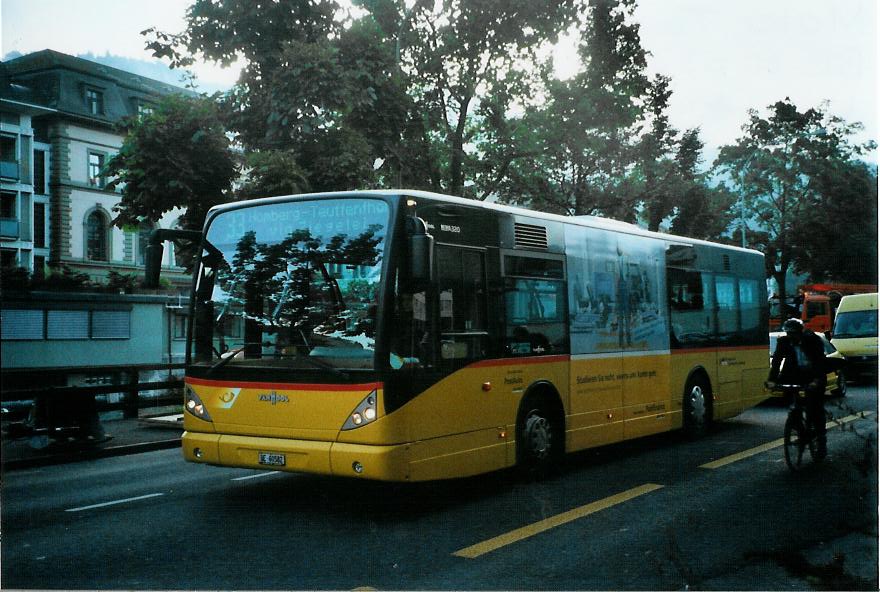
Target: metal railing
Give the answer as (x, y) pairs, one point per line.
(131, 388)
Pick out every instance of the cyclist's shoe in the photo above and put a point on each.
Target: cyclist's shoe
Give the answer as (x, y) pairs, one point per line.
(821, 451)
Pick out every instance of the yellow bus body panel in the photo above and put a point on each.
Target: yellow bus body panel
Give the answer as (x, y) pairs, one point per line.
(465, 424)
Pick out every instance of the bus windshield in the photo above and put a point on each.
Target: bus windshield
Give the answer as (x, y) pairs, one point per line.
(291, 285)
(855, 324)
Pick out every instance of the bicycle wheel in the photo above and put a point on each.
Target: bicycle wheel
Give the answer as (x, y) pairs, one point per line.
(794, 438)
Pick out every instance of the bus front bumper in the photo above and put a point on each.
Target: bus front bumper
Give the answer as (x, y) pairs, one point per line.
(383, 463)
(861, 365)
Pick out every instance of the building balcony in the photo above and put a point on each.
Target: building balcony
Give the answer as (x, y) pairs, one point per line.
(9, 228)
(9, 169)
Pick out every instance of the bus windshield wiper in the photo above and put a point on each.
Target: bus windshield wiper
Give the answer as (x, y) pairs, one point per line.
(227, 356)
(324, 366)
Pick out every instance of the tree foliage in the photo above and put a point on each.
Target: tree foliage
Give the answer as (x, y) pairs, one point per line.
(316, 86)
(838, 237)
(272, 173)
(178, 156)
(579, 142)
(406, 87)
(469, 62)
(459, 96)
(785, 168)
(602, 143)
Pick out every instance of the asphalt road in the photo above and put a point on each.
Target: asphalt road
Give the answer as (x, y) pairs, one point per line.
(648, 514)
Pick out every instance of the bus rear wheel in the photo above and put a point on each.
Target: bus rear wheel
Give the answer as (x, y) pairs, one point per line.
(697, 407)
(538, 440)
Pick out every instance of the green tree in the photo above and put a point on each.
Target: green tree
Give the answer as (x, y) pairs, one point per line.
(780, 168)
(404, 87)
(316, 85)
(271, 173)
(585, 134)
(684, 194)
(178, 156)
(661, 176)
(838, 237)
(468, 63)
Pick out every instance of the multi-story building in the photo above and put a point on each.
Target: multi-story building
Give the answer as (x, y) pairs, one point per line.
(58, 130)
(24, 187)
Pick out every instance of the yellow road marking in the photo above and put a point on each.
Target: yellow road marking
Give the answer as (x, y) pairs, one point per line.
(775, 444)
(525, 532)
(744, 454)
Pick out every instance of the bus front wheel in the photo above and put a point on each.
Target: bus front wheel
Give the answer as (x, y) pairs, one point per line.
(697, 407)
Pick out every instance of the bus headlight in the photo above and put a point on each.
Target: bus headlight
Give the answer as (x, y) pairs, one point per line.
(364, 413)
(193, 404)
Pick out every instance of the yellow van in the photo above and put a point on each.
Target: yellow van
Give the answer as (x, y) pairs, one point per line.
(855, 333)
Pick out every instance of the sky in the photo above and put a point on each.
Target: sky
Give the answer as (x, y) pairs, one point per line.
(724, 56)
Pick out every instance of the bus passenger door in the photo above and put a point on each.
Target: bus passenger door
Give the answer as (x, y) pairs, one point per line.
(463, 324)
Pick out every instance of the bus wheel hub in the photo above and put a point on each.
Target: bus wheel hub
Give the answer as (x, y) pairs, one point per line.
(538, 436)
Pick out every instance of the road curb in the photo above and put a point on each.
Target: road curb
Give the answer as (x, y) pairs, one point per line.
(81, 455)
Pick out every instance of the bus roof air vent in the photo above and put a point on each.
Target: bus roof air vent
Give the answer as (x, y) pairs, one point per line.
(530, 236)
(725, 262)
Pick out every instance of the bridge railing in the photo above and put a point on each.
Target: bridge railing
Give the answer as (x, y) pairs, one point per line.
(24, 385)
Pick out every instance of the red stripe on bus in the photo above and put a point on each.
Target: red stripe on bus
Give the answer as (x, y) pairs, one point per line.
(520, 361)
(284, 385)
(720, 349)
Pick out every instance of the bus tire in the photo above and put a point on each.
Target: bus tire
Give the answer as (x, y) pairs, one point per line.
(697, 406)
(540, 436)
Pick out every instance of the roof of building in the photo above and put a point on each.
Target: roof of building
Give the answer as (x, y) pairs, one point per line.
(59, 81)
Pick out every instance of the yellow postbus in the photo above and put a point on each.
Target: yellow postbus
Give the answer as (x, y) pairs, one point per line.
(855, 333)
(409, 336)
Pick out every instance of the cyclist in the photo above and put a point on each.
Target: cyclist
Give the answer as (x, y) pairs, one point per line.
(800, 359)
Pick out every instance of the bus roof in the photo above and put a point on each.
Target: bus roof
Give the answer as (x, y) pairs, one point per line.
(589, 221)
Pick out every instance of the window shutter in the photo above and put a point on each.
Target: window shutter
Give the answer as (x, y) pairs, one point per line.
(21, 324)
(111, 324)
(67, 324)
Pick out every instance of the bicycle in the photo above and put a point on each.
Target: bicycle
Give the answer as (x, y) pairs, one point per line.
(798, 433)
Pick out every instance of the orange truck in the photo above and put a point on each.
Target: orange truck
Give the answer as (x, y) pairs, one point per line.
(814, 305)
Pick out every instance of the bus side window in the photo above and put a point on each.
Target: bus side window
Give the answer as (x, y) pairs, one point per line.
(691, 303)
(728, 306)
(535, 316)
(750, 306)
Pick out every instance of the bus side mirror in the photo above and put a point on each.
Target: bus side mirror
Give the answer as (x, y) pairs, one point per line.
(421, 252)
(153, 262)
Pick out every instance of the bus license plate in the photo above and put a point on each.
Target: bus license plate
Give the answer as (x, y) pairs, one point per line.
(272, 459)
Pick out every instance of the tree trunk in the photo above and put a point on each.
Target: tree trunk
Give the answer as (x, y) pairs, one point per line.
(456, 161)
(779, 276)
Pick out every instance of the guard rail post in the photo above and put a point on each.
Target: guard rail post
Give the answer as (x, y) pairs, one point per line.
(130, 411)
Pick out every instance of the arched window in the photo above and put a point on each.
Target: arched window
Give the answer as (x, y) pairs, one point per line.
(96, 237)
(144, 230)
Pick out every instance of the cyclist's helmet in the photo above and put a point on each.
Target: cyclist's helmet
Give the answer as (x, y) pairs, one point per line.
(793, 326)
